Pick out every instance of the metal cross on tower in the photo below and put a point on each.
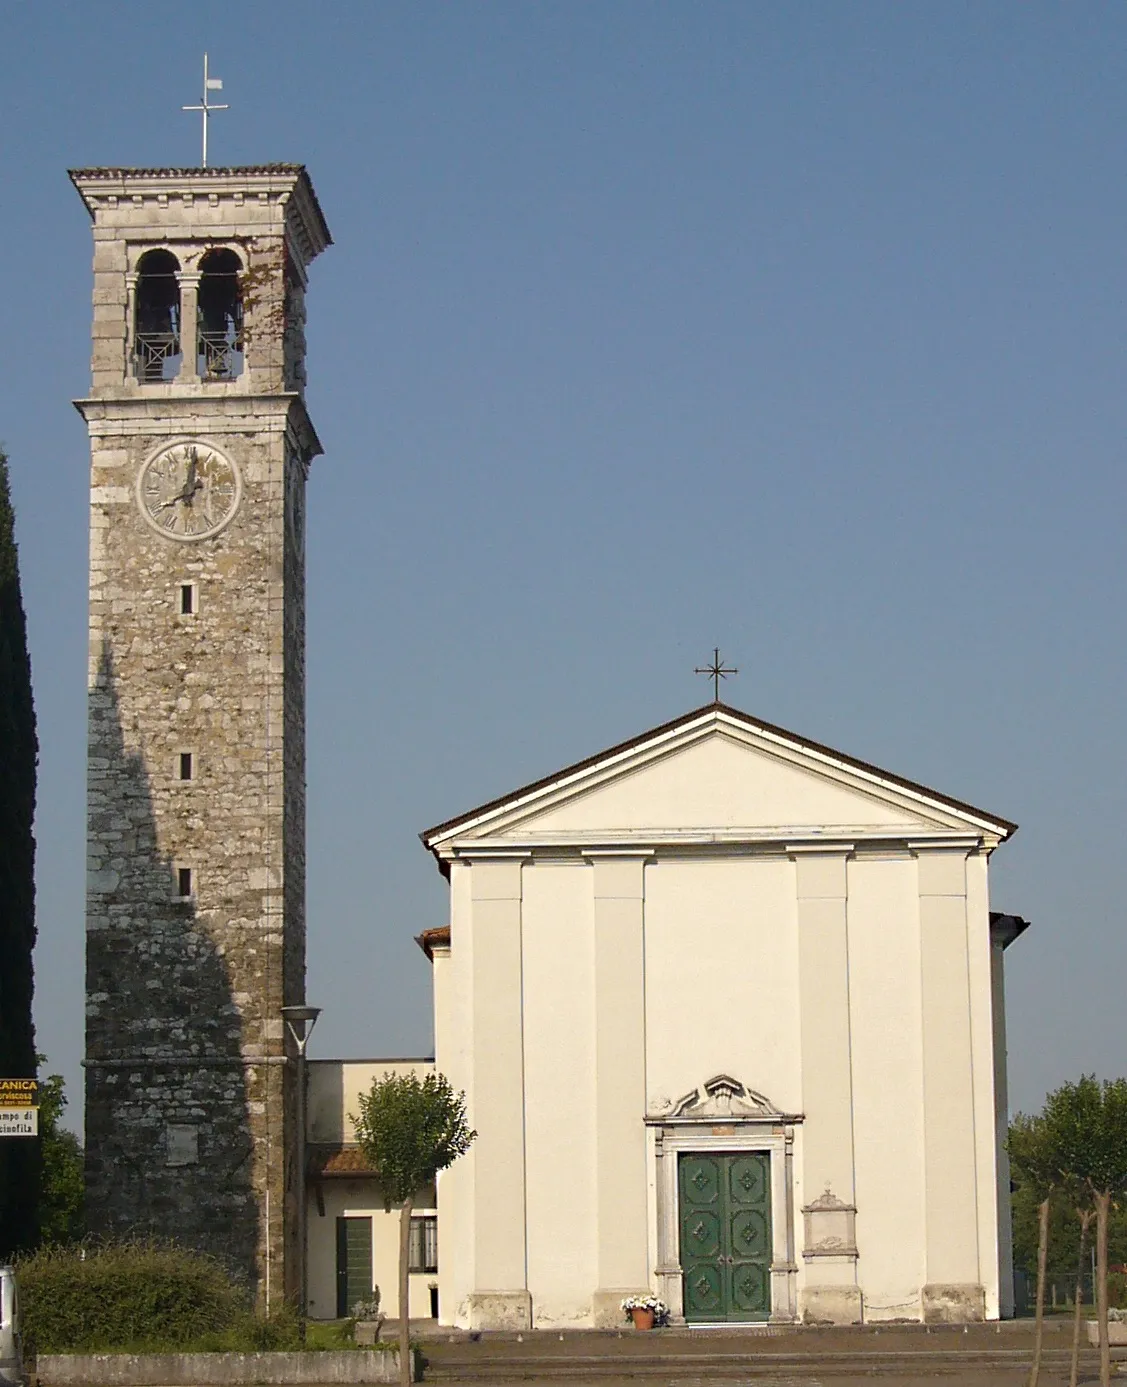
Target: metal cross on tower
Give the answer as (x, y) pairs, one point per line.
(210, 84)
(718, 670)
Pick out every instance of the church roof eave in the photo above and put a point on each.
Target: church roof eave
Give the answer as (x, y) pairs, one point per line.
(1005, 928)
(440, 839)
(431, 939)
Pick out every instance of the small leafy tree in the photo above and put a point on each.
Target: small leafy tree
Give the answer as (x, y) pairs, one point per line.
(409, 1129)
(1081, 1200)
(62, 1193)
(1088, 1126)
(1035, 1161)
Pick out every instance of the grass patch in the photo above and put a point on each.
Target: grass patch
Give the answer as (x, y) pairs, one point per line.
(328, 1334)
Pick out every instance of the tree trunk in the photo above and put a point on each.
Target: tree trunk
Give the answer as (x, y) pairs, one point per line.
(404, 1289)
(1042, 1259)
(1103, 1203)
(1085, 1219)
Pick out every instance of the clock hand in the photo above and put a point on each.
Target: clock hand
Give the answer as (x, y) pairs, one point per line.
(185, 495)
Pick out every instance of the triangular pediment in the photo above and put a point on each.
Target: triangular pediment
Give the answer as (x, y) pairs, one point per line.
(717, 776)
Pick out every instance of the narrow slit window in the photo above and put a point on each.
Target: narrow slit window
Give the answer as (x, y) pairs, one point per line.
(185, 766)
(184, 882)
(187, 599)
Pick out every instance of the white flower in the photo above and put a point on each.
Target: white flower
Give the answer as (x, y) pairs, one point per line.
(646, 1302)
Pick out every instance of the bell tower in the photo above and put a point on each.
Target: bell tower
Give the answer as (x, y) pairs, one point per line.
(195, 917)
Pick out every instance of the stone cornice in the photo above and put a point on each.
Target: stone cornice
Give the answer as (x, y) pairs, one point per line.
(726, 842)
(227, 413)
(289, 185)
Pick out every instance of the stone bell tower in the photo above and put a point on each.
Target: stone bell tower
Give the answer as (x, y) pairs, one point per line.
(195, 917)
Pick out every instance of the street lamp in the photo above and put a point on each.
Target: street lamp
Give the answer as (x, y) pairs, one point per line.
(300, 1022)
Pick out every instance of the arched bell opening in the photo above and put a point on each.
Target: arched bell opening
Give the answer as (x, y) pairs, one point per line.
(156, 325)
(220, 316)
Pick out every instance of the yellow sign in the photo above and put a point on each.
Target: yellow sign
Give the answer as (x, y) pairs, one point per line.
(19, 1122)
(19, 1093)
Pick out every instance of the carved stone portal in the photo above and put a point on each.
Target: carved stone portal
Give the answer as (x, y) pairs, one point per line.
(723, 1098)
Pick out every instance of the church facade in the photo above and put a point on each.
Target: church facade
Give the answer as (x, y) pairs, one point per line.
(727, 1007)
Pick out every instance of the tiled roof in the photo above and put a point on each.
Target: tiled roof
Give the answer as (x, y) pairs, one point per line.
(340, 1161)
(431, 939)
(217, 171)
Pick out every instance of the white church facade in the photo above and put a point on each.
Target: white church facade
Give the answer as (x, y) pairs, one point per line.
(727, 1007)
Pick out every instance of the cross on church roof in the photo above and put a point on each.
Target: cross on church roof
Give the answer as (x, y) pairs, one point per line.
(210, 84)
(718, 670)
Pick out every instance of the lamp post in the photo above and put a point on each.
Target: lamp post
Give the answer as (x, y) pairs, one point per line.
(300, 1022)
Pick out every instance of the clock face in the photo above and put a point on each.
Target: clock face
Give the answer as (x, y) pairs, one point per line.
(189, 490)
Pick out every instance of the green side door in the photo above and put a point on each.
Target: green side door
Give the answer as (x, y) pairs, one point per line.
(354, 1263)
(725, 1233)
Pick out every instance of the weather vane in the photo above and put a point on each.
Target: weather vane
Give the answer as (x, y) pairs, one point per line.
(210, 84)
(718, 670)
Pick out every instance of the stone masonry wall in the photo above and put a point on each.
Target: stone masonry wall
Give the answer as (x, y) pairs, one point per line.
(189, 1092)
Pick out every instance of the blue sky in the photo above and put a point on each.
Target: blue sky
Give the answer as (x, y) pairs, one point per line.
(792, 328)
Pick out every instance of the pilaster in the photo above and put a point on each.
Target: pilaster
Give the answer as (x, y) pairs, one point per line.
(500, 1298)
(189, 328)
(830, 1247)
(620, 1083)
(953, 1290)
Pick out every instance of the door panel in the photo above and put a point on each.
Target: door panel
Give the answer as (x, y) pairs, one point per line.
(354, 1263)
(725, 1227)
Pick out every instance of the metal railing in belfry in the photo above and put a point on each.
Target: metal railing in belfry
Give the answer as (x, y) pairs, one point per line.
(157, 355)
(220, 356)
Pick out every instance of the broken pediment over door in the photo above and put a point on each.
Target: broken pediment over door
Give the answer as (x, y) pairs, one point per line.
(721, 1099)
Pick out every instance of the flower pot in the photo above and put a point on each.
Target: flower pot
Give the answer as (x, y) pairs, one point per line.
(643, 1319)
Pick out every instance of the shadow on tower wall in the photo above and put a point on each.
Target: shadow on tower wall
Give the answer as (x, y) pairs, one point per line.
(169, 1144)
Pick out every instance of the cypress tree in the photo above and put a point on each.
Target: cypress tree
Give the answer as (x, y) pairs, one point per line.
(19, 1156)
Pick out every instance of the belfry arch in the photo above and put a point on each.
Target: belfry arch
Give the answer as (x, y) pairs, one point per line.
(219, 315)
(156, 323)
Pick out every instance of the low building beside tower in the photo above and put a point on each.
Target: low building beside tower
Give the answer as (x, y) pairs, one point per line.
(353, 1238)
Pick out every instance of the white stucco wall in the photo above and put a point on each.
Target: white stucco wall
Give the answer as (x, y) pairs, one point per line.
(359, 1199)
(453, 1048)
(721, 977)
(844, 977)
(334, 1089)
(982, 1046)
(557, 937)
(884, 971)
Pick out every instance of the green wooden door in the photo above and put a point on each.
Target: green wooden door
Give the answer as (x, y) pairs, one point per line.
(354, 1263)
(726, 1235)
